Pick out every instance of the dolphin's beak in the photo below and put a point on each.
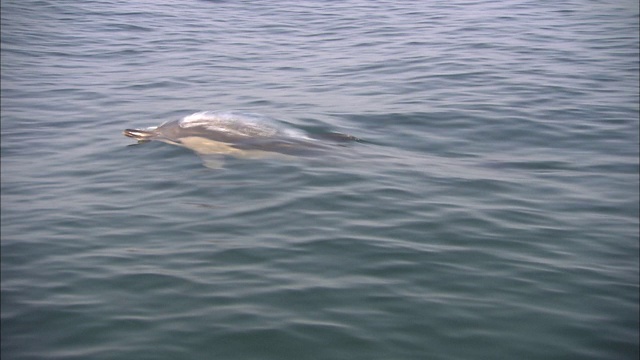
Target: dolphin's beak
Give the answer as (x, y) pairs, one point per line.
(140, 135)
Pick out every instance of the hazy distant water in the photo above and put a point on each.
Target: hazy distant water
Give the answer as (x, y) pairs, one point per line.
(490, 212)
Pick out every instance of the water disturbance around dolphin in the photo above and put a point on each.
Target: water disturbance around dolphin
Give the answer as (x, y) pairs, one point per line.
(212, 134)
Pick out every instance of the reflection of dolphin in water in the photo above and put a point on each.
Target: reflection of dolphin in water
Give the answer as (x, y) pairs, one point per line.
(237, 134)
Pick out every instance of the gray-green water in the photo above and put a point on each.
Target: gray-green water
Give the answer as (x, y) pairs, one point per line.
(490, 212)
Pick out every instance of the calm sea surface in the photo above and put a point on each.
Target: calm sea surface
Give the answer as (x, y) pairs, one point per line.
(489, 212)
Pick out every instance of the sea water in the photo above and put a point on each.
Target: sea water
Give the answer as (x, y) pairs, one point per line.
(489, 212)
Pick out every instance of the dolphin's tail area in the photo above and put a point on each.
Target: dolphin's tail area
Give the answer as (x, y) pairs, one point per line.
(140, 135)
(336, 137)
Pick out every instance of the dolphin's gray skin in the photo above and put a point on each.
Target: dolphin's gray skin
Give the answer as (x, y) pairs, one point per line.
(237, 134)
